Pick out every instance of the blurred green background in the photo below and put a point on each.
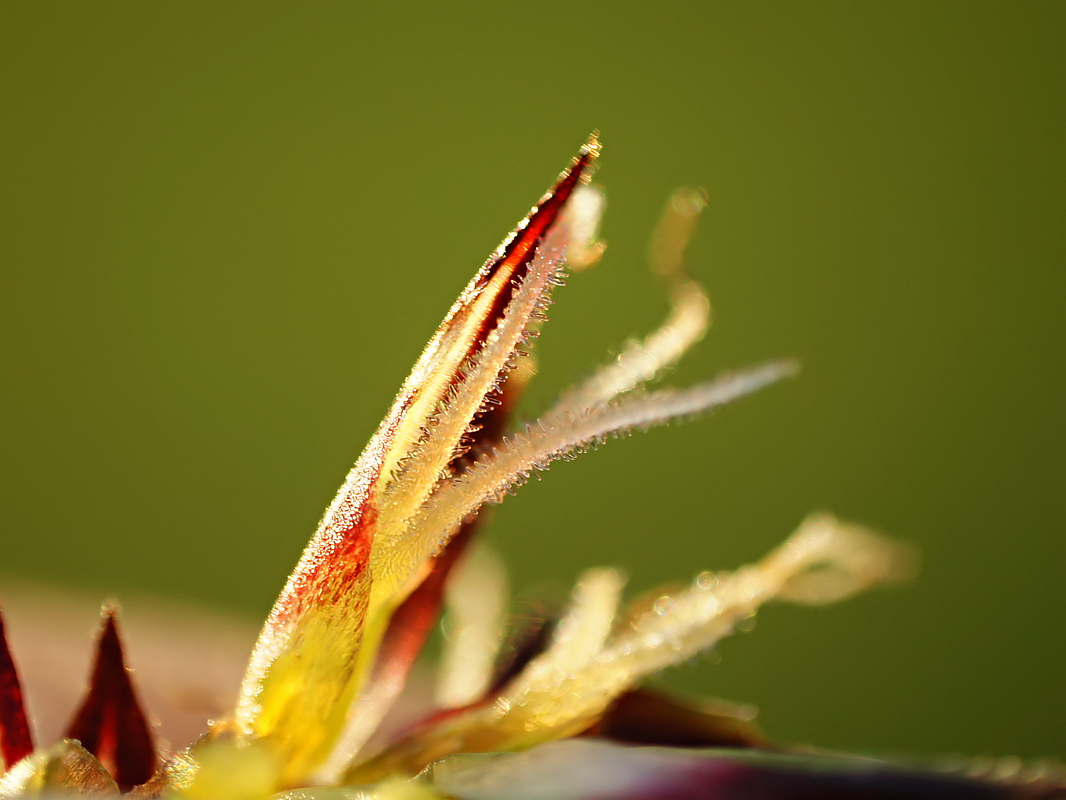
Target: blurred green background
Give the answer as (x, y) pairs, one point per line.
(228, 229)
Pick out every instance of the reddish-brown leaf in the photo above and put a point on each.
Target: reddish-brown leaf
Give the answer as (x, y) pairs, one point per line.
(16, 742)
(649, 717)
(110, 723)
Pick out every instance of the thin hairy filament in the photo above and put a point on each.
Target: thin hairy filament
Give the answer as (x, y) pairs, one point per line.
(541, 444)
(642, 361)
(689, 318)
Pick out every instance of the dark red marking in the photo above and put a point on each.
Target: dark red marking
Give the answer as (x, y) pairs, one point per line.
(110, 723)
(519, 251)
(16, 742)
(339, 564)
(648, 717)
(340, 559)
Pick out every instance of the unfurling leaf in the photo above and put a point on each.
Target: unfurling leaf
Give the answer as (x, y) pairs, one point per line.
(370, 552)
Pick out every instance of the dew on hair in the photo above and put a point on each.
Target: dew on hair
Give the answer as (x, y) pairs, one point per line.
(663, 605)
(708, 580)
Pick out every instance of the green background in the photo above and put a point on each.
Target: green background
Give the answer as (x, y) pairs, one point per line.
(228, 229)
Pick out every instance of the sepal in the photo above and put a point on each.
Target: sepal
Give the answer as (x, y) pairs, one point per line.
(111, 725)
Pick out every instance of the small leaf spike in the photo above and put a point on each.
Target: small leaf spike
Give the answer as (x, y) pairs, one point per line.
(110, 723)
(16, 742)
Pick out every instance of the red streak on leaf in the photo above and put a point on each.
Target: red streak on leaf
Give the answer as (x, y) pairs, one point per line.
(334, 560)
(331, 570)
(516, 254)
(110, 723)
(16, 741)
(527, 236)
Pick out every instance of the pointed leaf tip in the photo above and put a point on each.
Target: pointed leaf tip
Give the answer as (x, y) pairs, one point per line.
(110, 723)
(16, 742)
